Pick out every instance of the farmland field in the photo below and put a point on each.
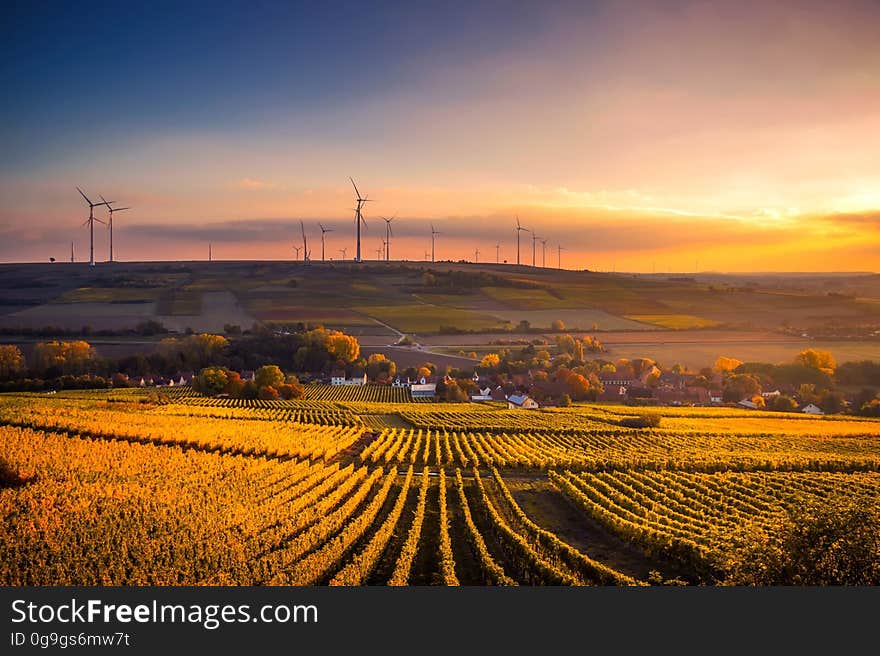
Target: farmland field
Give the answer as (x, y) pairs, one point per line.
(361, 486)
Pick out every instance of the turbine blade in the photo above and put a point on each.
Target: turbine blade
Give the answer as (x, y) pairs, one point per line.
(83, 195)
(355, 187)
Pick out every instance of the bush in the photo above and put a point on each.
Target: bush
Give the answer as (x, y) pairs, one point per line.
(827, 542)
(268, 392)
(642, 421)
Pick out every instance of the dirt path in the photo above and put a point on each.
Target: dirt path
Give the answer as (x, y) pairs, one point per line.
(551, 510)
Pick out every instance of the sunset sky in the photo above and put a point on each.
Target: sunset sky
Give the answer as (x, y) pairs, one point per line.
(666, 136)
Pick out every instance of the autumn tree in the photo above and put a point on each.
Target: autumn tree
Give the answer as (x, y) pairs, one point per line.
(11, 362)
(490, 361)
(211, 380)
(725, 365)
(343, 347)
(55, 358)
(268, 376)
(268, 392)
(817, 359)
(292, 388)
(741, 386)
(558, 325)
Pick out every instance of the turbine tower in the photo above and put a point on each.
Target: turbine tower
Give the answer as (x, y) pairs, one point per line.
(72, 256)
(535, 238)
(210, 253)
(323, 232)
(297, 249)
(111, 209)
(380, 250)
(519, 229)
(498, 253)
(544, 253)
(91, 223)
(305, 242)
(388, 235)
(358, 218)
(343, 251)
(476, 255)
(433, 233)
(559, 250)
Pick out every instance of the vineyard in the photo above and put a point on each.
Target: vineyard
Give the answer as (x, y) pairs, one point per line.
(360, 486)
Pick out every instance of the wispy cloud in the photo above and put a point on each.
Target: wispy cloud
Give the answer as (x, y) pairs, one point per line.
(253, 184)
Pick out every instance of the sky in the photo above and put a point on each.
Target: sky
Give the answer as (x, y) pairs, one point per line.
(638, 136)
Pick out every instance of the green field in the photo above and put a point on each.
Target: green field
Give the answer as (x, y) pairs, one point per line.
(422, 298)
(673, 321)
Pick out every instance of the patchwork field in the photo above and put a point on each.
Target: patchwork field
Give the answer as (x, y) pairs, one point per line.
(340, 488)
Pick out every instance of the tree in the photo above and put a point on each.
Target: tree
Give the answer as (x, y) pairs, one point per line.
(343, 347)
(578, 386)
(832, 402)
(211, 381)
(234, 384)
(725, 365)
(63, 357)
(564, 401)
(490, 361)
(11, 362)
(454, 393)
(783, 403)
(832, 541)
(558, 325)
(268, 392)
(741, 386)
(292, 389)
(817, 359)
(268, 376)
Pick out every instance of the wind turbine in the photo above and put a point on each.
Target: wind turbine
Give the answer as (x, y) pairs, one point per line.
(426, 255)
(544, 253)
(379, 251)
(476, 255)
(72, 257)
(210, 253)
(388, 235)
(535, 238)
(519, 229)
(358, 218)
(559, 250)
(323, 231)
(297, 249)
(305, 243)
(343, 251)
(91, 223)
(109, 204)
(433, 233)
(498, 253)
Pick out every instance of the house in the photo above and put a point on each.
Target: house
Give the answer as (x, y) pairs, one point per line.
(624, 377)
(399, 382)
(716, 396)
(521, 402)
(425, 386)
(338, 378)
(812, 409)
(771, 395)
(484, 394)
(747, 403)
(498, 394)
(692, 395)
(613, 392)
